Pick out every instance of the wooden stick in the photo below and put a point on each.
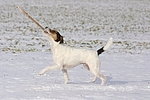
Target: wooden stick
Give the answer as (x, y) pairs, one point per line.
(30, 18)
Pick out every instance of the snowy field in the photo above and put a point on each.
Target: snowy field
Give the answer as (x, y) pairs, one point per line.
(24, 51)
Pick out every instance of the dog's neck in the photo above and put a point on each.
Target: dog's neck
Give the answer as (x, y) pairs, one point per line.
(54, 45)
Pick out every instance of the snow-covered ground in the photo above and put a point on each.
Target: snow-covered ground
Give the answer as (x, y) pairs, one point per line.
(128, 78)
(24, 51)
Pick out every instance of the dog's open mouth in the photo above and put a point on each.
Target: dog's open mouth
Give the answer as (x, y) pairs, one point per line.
(45, 32)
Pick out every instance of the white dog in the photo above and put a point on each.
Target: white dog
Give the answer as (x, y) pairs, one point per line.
(67, 57)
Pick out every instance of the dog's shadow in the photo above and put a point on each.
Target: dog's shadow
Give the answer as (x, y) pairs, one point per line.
(110, 81)
(98, 81)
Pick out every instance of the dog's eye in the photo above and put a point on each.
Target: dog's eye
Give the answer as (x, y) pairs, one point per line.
(46, 27)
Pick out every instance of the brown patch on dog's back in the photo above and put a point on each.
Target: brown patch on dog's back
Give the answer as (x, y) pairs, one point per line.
(56, 36)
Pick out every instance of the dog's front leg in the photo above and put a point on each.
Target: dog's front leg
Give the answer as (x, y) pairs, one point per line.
(54, 67)
(65, 75)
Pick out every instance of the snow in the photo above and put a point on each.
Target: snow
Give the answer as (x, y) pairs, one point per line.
(24, 51)
(128, 79)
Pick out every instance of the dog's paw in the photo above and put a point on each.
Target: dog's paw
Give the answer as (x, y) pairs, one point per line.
(66, 82)
(103, 83)
(41, 73)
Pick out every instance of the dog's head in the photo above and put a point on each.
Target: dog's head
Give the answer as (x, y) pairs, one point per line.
(54, 34)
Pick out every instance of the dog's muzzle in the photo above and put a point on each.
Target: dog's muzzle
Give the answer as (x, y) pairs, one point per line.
(46, 31)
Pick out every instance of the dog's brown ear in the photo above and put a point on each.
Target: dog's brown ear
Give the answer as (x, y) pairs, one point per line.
(61, 40)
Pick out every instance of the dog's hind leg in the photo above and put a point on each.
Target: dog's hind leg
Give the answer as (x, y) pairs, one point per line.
(103, 78)
(65, 75)
(54, 67)
(98, 74)
(87, 67)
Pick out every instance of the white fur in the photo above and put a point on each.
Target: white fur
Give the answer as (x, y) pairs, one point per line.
(67, 57)
(109, 43)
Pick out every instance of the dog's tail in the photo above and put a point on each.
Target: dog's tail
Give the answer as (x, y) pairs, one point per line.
(106, 47)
